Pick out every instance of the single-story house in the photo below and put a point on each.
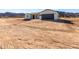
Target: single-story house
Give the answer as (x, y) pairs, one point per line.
(45, 14)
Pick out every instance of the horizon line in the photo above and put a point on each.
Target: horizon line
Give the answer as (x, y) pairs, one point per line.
(36, 10)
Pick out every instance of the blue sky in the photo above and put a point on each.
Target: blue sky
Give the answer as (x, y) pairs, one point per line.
(35, 10)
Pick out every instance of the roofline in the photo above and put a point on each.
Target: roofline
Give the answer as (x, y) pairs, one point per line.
(47, 9)
(42, 11)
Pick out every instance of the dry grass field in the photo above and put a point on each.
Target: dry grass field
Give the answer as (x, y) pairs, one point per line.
(18, 34)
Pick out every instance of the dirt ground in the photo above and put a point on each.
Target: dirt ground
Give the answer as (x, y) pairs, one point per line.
(37, 34)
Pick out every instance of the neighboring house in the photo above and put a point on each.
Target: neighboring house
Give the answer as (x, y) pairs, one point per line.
(43, 15)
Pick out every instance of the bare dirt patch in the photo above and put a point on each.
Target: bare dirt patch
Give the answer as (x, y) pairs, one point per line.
(16, 33)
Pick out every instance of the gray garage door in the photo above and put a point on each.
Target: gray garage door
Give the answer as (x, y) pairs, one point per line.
(47, 16)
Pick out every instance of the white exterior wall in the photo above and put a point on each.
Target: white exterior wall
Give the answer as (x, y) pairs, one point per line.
(56, 16)
(40, 17)
(28, 16)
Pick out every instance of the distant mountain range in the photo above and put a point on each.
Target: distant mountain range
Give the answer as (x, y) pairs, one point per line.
(10, 14)
(67, 14)
(61, 14)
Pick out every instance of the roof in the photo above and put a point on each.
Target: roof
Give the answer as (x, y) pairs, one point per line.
(47, 11)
